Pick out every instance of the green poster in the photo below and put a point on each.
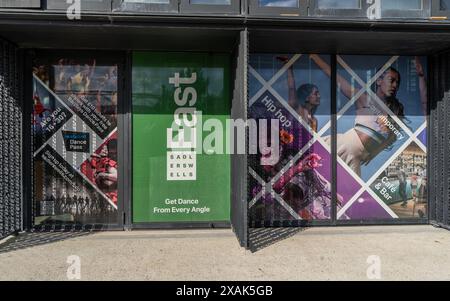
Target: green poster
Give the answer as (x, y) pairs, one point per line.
(177, 100)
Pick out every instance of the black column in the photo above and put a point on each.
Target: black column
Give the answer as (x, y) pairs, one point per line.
(439, 141)
(239, 161)
(11, 194)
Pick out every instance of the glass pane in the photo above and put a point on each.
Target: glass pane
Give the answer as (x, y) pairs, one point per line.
(381, 137)
(445, 5)
(339, 4)
(401, 4)
(148, 1)
(299, 101)
(211, 2)
(279, 3)
(20, 4)
(75, 140)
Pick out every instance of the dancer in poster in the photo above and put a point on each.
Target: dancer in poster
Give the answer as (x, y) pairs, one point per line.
(104, 166)
(421, 192)
(41, 71)
(38, 108)
(80, 81)
(305, 190)
(305, 100)
(372, 133)
(106, 98)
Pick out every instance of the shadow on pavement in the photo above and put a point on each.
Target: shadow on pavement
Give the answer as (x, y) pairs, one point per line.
(32, 239)
(260, 238)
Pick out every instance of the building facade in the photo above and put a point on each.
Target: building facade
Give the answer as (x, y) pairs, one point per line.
(122, 114)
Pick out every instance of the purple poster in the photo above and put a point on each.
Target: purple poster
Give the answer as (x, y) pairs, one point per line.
(294, 91)
(381, 137)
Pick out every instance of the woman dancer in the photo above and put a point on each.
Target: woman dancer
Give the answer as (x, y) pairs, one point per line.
(374, 130)
(305, 100)
(305, 190)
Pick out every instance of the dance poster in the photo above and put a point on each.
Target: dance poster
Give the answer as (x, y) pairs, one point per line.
(381, 140)
(381, 114)
(297, 93)
(75, 141)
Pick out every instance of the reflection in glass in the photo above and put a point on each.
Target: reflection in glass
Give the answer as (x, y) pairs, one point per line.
(339, 4)
(279, 3)
(148, 1)
(211, 2)
(445, 4)
(401, 4)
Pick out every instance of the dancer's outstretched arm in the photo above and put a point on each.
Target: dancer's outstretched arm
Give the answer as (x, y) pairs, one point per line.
(344, 85)
(291, 83)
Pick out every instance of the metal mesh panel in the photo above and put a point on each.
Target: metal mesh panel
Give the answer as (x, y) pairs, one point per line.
(440, 146)
(239, 161)
(10, 141)
(446, 147)
(440, 141)
(433, 135)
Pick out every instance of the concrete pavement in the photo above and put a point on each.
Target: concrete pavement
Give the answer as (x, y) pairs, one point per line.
(341, 253)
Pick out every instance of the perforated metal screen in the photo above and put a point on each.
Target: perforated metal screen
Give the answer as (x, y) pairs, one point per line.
(439, 173)
(10, 141)
(239, 161)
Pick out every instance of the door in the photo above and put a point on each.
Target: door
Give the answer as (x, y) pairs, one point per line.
(76, 163)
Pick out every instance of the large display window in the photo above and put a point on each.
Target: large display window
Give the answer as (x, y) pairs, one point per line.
(75, 140)
(181, 168)
(294, 91)
(381, 136)
(374, 142)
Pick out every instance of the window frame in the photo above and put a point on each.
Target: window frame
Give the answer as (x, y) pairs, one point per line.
(315, 11)
(255, 10)
(86, 5)
(436, 9)
(423, 13)
(20, 4)
(234, 7)
(145, 8)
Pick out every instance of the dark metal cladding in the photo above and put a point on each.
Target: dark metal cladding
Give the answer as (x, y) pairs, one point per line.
(239, 161)
(10, 141)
